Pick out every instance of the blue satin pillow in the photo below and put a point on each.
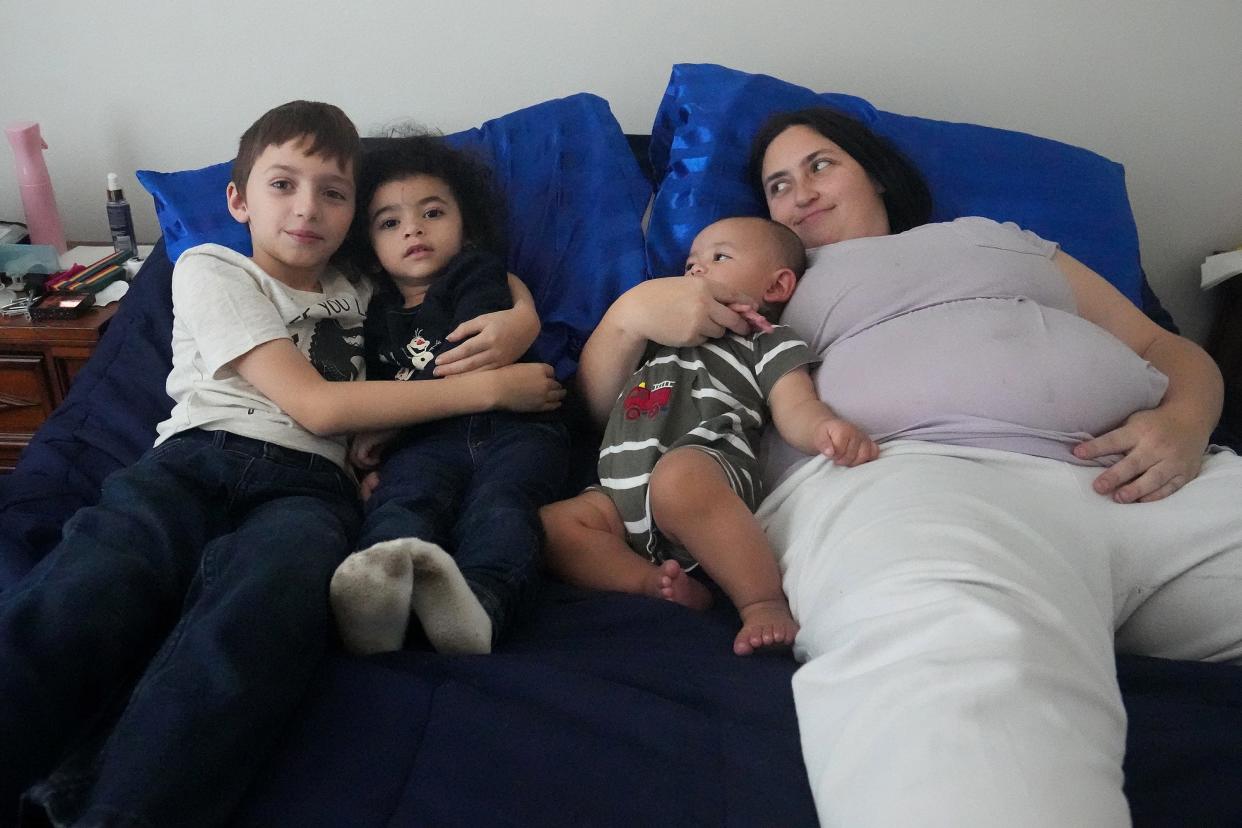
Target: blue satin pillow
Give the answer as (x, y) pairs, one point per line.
(191, 208)
(575, 194)
(576, 199)
(701, 139)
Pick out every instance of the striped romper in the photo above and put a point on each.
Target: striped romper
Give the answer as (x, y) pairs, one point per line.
(713, 397)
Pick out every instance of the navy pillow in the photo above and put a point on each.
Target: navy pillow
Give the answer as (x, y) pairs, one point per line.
(701, 139)
(575, 194)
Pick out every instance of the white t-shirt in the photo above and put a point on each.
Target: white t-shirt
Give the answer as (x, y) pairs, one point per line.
(224, 305)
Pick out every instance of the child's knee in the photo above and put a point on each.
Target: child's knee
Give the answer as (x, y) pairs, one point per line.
(684, 483)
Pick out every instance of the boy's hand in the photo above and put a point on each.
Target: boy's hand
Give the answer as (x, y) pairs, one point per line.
(366, 449)
(491, 340)
(844, 443)
(528, 387)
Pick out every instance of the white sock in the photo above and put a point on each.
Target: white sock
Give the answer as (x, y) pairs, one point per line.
(451, 615)
(370, 596)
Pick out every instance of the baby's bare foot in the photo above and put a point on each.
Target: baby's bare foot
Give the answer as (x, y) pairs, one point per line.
(670, 582)
(765, 625)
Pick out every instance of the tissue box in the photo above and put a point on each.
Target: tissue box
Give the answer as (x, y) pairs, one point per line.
(21, 259)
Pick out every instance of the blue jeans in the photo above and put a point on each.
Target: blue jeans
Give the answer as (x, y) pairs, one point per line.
(474, 486)
(201, 575)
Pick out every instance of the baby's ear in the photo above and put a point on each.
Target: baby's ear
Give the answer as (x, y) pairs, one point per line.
(782, 287)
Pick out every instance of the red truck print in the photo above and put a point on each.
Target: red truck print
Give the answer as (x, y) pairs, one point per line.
(650, 401)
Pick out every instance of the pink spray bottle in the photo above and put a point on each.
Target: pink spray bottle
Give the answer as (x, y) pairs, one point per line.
(42, 217)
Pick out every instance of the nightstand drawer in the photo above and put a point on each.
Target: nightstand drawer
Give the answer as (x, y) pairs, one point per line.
(26, 400)
(38, 361)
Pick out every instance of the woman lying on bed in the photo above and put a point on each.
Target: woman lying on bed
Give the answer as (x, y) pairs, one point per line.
(961, 597)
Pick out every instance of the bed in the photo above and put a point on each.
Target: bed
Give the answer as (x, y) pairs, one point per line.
(601, 709)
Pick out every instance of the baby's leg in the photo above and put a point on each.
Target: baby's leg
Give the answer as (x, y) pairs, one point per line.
(694, 505)
(586, 547)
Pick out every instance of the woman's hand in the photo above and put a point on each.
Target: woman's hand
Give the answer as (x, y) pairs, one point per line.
(1162, 447)
(1161, 454)
(528, 387)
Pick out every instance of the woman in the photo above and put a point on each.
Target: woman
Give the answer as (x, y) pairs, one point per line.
(960, 597)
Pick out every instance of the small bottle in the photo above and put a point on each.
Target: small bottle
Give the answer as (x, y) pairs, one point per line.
(38, 200)
(120, 219)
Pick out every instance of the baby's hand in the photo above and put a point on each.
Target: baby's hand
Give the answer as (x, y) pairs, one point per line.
(367, 485)
(528, 387)
(844, 443)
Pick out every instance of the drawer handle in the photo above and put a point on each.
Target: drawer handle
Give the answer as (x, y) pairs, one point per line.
(8, 401)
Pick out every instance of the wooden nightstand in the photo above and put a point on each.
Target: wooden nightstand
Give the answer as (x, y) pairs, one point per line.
(38, 361)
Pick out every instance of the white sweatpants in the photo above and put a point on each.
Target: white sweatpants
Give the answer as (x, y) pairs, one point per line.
(959, 612)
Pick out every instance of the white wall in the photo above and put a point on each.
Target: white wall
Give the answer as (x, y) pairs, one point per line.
(1155, 85)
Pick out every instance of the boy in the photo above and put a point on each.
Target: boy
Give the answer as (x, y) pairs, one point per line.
(679, 481)
(203, 571)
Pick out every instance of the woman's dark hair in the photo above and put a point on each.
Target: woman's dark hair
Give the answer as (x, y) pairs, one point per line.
(906, 197)
(470, 179)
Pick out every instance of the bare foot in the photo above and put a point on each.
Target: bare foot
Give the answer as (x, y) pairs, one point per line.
(765, 625)
(670, 582)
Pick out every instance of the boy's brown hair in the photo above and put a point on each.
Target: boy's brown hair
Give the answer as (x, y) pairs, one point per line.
(328, 131)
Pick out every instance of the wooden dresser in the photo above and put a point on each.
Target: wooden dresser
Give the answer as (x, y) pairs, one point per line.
(38, 361)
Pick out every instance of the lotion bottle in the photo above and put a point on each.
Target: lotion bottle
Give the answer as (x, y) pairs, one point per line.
(38, 200)
(120, 219)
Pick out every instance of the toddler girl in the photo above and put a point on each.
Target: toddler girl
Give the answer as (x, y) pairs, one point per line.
(430, 219)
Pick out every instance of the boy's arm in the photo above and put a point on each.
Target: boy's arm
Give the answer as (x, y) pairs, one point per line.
(281, 373)
(493, 339)
(809, 425)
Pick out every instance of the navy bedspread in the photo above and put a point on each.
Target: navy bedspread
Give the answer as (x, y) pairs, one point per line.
(602, 710)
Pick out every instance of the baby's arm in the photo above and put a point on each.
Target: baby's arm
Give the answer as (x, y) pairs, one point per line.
(492, 339)
(810, 426)
(281, 373)
(670, 311)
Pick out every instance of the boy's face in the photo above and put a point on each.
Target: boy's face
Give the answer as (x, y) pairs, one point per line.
(415, 225)
(742, 255)
(299, 208)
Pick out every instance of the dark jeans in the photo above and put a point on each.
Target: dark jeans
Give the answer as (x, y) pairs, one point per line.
(474, 486)
(202, 574)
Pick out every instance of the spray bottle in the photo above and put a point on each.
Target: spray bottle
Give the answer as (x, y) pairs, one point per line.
(42, 217)
(120, 219)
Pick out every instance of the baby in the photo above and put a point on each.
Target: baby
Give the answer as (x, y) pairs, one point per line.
(679, 480)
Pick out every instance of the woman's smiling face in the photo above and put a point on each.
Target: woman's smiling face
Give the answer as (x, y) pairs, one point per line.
(819, 191)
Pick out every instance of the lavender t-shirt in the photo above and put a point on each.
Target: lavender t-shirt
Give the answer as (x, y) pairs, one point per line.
(962, 333)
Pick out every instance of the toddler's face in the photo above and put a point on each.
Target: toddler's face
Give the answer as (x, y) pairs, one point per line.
(415, 226)
(736, 253)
